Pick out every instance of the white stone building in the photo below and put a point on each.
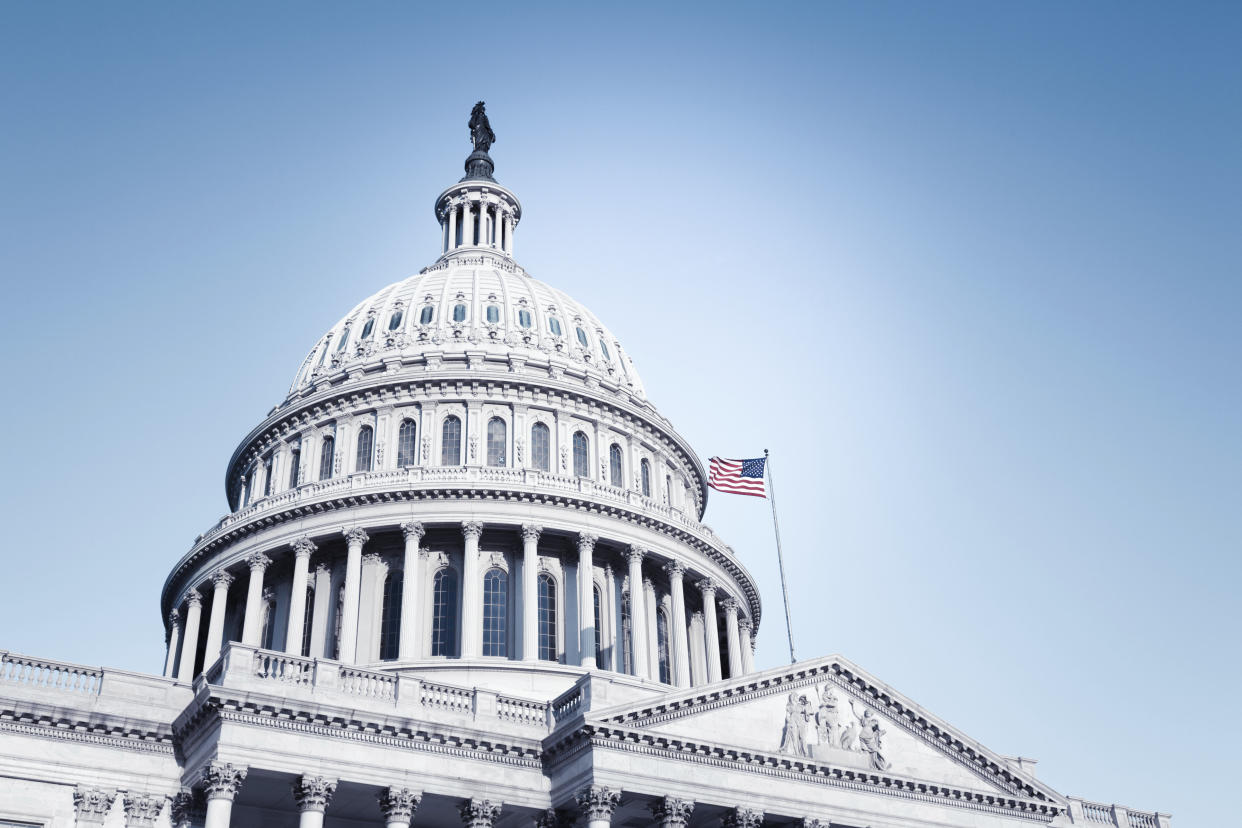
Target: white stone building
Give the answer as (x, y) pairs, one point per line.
(464, 581)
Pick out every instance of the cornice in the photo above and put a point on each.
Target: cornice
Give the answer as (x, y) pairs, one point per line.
(143, 738)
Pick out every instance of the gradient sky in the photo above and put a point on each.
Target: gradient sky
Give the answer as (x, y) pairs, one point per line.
(970, 271)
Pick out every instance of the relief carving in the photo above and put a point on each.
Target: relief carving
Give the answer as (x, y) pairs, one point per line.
(816, 731)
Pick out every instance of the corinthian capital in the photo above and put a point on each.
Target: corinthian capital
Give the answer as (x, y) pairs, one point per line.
(672, 812)
(222, 780)
(743, 818)
(188, 808)
(472, 529)
(587, 541)
(531, 532)
(303, 547)
(744, 625)
(413, 529)
(174, 618)
(479, 813)
(708, 587)
(399, 804)
(258, 561)
(598, 802)
(355, 536)
(675, 569)
(313, 793)
(635, 552)
(91, 805)
(194, 598)
(141, 810)
(728, 604)
(222, 579)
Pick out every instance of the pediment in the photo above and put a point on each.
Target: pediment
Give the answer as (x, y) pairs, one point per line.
(830, 712)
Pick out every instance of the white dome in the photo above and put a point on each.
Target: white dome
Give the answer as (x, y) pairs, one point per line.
(477, 304)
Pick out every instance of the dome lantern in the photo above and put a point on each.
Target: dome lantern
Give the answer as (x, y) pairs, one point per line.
(477, 212)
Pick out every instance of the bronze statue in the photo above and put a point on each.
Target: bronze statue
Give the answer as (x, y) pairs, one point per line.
(480, 130)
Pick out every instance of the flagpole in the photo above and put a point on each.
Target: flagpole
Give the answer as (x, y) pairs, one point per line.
(780, 560)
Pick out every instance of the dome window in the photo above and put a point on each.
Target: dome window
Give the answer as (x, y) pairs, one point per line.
(554, 325)
(582, 338)
(459, 313)
(426, 316)
(493, 314)
(367, 328)
(524, 318)
(603, 347)
(344, 341)
(394, 321)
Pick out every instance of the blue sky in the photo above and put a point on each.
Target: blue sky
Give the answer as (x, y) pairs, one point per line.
(970, 271)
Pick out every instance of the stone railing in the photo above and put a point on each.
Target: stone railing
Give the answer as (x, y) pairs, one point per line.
(372, 685)
(50, 675)
(1089, 813)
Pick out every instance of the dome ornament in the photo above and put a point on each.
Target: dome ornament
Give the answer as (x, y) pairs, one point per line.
(479, 164)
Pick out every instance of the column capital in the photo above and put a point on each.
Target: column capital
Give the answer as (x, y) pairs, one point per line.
(635, 552)
(268, 594)
(672, 812)
(598, 802)
(728, 604)
(303, 547)
(697, 615)
(743, 818)
(675, 569)
(355, 536)
(187, 808)
(174, 618)
(222, 579)
(648, 584)
(531, 531)
(222, 780)
(552, 818)
(141, 810)
(472, 529)
(258, 561)
(92, 804)
(372, 559)
(479, 813)
(399, 804)
(811, 822)
(413, 529)
(323, 567)
(708, 587)
(744, 624)
(194, 598)
(313, 793)
(587, 541)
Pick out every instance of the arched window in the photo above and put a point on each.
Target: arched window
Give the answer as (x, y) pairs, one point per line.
(367, 328)
(390, 616)
(394, 321)
(340, 346)
(493, 314)
(450, 442)
(666, 673)
(326, 452)
(626, 663)
(541, 447)
(266, 638)
(554, 325)
(497, 438)
(603, 347)
(366, 445)
(668, 490)
(615, 475)
(407, 444)
(600, 660)
(645, 473)
(428, 313)
(336, 625)
(324, 353)
(308, 621)
(582, 339)
(459, 313)
(295, 464)
(547, 617)
(582, 468)
(267, 476)
(495, 612)
(444, 613)
(524, 318)
(248, 495)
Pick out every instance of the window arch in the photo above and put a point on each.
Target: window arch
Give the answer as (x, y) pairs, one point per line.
(326, 453)
(367, 328)
(366, 446)
(582, 339)
(267, 476)
(666, 673)
(668, 490)
(390, 616)
(615, 475)
(548, 650)
(599, 626)
(340, 346)
(444, 613)
(495, 612)
(541, 447)
(582, 465)
(497, 441)
(459, 313)
(407, 444)
(645, 474)
(295, 464)
(603, 348)
(426, 315)
(308, 621)
(450, 441)
(394, 321)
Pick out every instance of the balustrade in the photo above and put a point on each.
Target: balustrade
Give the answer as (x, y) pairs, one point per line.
(52, 675)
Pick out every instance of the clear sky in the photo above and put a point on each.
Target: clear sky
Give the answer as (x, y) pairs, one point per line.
(970, 271)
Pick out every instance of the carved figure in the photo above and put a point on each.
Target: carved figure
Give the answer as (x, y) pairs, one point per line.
(869, 738)
(828, 717)
(480, 129)
(797, 715)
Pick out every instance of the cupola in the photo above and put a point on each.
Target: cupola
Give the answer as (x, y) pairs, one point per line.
(476, 212)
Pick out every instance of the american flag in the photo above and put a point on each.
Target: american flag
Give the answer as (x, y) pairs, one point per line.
(737, 476)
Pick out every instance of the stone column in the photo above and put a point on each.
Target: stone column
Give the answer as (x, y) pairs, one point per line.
(479, 813)
(399, 806)
(467, 224)
(597, 804)
(609, 614)
(174, 638)
(251, 628)
(743, 818)
(510, 223)
(681, 641)
(748, 655)
(653, 629)
(142, 810)
(452, 228)
(323, 608)
(91, 805)
(733, 636)
(411, 590)
(530, 591)
(671, 812)
(189, 649)
(312, 793)
(302, 549)
(355, 538)
(221, 581)
(370, 610)
(221, 782)
(638, 613)
(188, 809)
(698, 656)
(471, 592)
(586, 600)
(711, 630)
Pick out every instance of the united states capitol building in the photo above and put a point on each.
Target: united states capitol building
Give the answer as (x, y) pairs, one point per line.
(464, 582)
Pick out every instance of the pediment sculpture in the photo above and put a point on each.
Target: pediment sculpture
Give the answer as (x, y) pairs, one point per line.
(820, 725)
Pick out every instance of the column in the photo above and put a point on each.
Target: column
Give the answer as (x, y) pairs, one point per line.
(471, 592)
(323, 607)
(711, 629)
(586, 600)
(174, 638)
(530, 591)
(251, 628)
(142, 810)
(452, 228)
(671, 812)
(221, 782)
(653, 629)
(91, 805)
(399, 806)
(215, 625)
(609, 614)
(742, 818)
(189, 648)
(733, 636)
(698, 657)
(638, 613)
(479, 813)
(355, 538)
(312, 794)
(187, 809)
(748, 647)
(411, 590)
(510, 223)
(302, 549)
(597, 803)
(681, 642)
(370, 611)
(467, 224)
